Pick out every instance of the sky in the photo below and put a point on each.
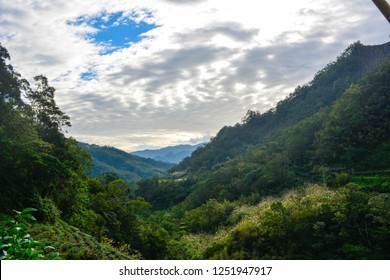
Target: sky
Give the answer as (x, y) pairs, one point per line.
(137, 74)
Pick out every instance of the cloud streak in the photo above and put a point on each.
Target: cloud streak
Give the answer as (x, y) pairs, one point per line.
(202, 66)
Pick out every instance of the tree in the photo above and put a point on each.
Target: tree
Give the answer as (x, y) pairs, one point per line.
(11, 83)
(45, 111)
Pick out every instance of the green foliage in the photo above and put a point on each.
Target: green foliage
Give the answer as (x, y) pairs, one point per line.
(342, 179)
(16, 242)
(43, 106)
(48, 211)
(312, 223)
(358, 126)
(191, 246)
(40, 166)
(11, 83)
(208, 217)
(164, 193)
(73, 244)
(377, 182)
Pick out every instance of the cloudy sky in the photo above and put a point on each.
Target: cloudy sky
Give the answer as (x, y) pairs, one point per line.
(138, 74)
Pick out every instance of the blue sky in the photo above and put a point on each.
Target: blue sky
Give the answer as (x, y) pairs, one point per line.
(113, 31)
(143, 74)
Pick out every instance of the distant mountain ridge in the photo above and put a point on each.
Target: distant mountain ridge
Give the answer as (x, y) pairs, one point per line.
(128, 167)
(172, 154)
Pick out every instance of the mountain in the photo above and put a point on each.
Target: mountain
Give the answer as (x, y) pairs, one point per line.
(128, 167)
(172, 154)
(342, 147)
(328, 84)
(254, 191)
(339, 119)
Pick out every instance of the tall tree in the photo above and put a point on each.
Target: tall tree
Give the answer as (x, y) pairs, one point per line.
(11, 83)
(45, 110)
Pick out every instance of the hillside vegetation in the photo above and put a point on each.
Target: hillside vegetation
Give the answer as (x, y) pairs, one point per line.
(257, 129)
(308, 179)
(128, 167)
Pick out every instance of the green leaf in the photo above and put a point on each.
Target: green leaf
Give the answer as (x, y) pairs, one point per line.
(23, 226)
(10, 251)
(16, 230)
(38, 243)
(5, 246)
(28, 210)
(33, 252)
(7, 237)
(28, 216)
(8, 222)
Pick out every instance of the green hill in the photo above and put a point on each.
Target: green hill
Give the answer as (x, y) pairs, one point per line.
(257, 129)
(339, 120)
(263, 202)
(127, 166)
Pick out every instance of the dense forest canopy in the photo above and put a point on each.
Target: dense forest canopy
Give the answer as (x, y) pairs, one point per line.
(309, 179)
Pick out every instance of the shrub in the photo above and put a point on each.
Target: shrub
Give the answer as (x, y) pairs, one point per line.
(16, 242)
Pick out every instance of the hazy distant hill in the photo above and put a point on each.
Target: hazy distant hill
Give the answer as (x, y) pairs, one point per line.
(128, 167)
(173, 154)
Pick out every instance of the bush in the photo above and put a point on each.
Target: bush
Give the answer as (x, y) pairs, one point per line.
(48, 211)
(342, 179)
(208, 217)
(17, 244)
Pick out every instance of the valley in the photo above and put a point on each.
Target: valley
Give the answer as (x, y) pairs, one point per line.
(307, 179)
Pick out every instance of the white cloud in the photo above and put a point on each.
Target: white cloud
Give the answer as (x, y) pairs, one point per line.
(203, 67)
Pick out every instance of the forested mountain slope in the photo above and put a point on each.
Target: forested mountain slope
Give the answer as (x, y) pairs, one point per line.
(350, 133)
(127, 166)
(264, 203)
(327, 85)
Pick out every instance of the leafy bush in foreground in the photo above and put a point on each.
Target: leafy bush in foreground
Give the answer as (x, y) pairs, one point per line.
(16, 242)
